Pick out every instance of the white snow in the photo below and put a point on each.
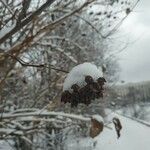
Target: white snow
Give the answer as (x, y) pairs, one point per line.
(45, 113)
(9, 131)
(134, 136)
(98, 118)
(6, 145)
(78, 73)
(5, 30)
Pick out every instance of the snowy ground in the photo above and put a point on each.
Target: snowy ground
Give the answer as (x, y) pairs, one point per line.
(134, 136)
(5, 145)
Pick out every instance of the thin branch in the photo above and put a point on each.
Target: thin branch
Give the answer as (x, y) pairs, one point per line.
(42, 32)
(25, 64)
(59, 50)
(26, 21)
(65, 39)
(120, 23)
(44, 114)
(27, 140)
(7, 6)
(89, 23)
(23, 12)
(58, 21)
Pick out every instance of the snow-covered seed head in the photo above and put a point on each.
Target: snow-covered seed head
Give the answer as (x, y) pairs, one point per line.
(78, 73)
(89, 79)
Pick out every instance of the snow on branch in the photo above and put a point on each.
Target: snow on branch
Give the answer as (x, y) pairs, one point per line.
(44, 114)
(26, 64)
(59, 50)
(23, 122)
(64, 39)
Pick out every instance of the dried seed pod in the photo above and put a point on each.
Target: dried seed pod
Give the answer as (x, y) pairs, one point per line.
(101, 79)
(114, 17)
(128, 10)
(122, 2)
(63, 24)
(89, 79)
(82, 93)
(91, 13)
(88, 94)
(105, 13)
(66, 97)
(90, 87)
(99, 13)
(83, 34)
(75, 100)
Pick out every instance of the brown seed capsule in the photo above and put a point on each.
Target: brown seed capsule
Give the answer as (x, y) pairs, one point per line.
(82, 93)
(75, 100)
(66, 97)
(128, 10)
(92, 88)
(101, 81)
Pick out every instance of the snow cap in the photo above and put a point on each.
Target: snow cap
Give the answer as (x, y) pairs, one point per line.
(98, 118)
(78, 73)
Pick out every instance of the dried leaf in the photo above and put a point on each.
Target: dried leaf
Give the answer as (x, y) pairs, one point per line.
(118, 126)
(96, 128)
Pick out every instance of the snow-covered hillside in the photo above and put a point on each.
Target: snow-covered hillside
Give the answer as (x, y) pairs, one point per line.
(134, 136)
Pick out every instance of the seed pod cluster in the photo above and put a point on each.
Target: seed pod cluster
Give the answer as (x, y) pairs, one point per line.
(91, 91)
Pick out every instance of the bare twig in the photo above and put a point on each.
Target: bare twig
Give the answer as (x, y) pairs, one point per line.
(26, 21)
(44, 114)
(120, 23)
(6, 5)
(25, 64)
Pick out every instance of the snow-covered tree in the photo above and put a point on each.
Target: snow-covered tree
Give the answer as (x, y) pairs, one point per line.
(40, 42)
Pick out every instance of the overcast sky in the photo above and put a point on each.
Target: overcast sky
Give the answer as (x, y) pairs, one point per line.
(135, 60)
